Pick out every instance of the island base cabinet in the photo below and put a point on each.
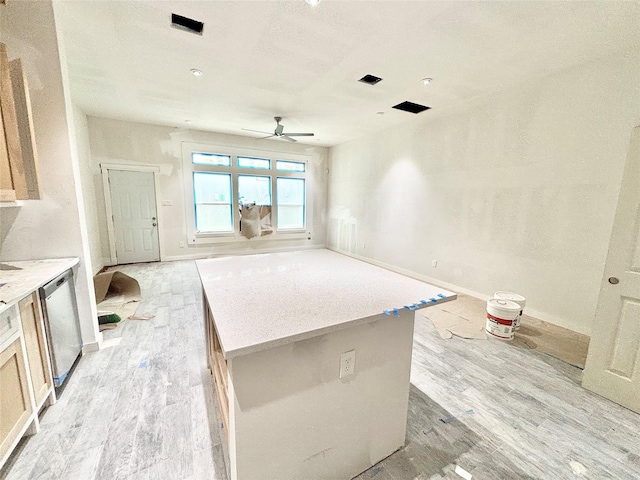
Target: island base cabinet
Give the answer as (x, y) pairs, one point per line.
(218, 366)
(292, 417)
(15, 404)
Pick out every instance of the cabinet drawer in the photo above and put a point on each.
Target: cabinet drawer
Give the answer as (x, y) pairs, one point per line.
(9, 324)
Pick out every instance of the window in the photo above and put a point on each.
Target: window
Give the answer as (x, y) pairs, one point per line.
(254, 189)
(220, 180)
(290, 203)
(210, 159)
(212, 199)
(248, 162)
(290, 166)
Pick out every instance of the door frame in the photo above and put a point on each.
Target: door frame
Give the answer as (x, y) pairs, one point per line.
(111, 231)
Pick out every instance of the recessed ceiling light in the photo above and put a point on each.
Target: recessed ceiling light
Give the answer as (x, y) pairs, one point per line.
(196, 73)
(313, 3)
(379, 113)
(426, 81)
(187, 121)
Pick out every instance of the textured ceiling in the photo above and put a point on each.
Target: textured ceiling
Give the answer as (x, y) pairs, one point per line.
(266, 58)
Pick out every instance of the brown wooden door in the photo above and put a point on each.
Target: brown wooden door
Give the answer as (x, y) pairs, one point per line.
(35, 343)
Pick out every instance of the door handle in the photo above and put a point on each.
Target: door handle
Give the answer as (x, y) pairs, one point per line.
(154, 224)
(153, 218)
(614, 280)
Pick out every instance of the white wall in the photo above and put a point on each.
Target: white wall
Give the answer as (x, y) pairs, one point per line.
(53, 226)
(88, 189)
(120, 142)
(515, 192)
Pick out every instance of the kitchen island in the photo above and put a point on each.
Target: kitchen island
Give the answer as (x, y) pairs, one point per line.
(311, 354)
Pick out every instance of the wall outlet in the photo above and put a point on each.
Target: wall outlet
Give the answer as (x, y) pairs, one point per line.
(434, 263)
(182, 245)
(347, 363)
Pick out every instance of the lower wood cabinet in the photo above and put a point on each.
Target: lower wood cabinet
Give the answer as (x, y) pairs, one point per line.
(36, 345)
(15, 404)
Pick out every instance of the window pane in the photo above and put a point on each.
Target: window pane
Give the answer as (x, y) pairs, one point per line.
(248, 162)
(291, 199)
(290, 166)
(254, 189)
(212, 198)
(211, 159)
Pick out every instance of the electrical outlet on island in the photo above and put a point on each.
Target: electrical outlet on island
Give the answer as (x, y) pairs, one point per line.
(347, 363)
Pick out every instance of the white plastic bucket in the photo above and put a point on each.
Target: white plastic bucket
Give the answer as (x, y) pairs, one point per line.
(501, 317)
(513, 297)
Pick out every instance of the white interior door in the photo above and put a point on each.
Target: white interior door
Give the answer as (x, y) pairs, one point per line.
(135, 218)
(613, 366)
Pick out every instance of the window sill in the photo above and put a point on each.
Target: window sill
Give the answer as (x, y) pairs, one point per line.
(203, 239)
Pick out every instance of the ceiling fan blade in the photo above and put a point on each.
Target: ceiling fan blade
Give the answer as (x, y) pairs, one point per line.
(257, 131)
(287, 137)
(300, 134)
(269, 136)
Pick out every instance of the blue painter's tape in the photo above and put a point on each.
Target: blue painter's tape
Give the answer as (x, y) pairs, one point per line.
(58, 381)
(424, 302)
(433, 299)
(386, 312)
(395, 312)
(441, 295)
(143, 364)
(411, 307)
(416, 306)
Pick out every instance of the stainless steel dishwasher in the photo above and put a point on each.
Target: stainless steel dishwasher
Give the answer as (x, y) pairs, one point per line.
(61, 324)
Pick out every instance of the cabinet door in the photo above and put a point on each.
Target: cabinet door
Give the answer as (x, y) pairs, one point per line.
(12, 181)
(15, 404)
(34, 340)
(7, 193)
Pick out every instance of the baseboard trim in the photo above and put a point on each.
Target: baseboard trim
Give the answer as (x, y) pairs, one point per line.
(225, 253)
(91, 347)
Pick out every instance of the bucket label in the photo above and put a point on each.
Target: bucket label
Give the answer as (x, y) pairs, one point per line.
(499, 329)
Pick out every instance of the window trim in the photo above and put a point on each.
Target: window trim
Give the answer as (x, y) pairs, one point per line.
(234, 151)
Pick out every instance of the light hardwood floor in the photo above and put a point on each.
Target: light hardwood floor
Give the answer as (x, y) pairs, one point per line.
(145, 409)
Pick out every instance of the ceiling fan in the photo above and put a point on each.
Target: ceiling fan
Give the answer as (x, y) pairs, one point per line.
(279, 132)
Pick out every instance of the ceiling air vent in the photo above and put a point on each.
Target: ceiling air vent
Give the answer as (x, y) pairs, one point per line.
(186, 24)
(411, 107)
(370, 79)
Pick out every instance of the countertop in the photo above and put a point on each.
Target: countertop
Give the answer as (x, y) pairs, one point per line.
(16, 284)
(263, 301)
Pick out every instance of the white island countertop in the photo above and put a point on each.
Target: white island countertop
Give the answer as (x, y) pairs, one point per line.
(28, 277)
(263, 301)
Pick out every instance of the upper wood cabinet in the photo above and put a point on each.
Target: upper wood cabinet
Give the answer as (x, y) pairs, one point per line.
(18, 154)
